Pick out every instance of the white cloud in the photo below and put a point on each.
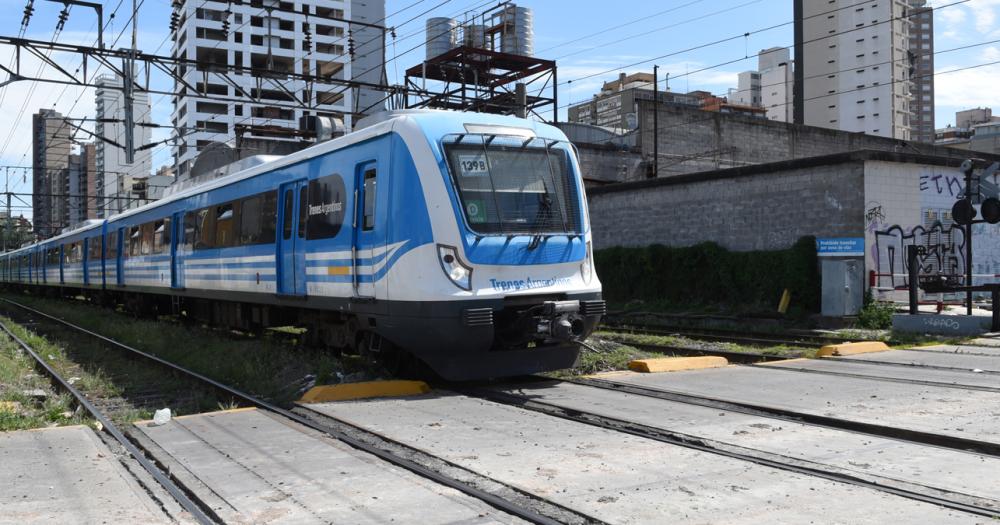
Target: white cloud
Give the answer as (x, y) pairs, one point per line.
(984, 13)
(967, 88)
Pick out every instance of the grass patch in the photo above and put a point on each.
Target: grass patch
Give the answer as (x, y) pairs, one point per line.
(604, 355)
(20, 409)
(672, 340)
(268, 367)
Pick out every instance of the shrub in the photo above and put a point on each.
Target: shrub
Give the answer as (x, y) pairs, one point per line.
(709, 275)
(874, 314)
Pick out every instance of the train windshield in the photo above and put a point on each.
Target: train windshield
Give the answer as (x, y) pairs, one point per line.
(515, 185)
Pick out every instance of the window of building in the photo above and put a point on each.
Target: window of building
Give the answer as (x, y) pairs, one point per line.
(214, 108)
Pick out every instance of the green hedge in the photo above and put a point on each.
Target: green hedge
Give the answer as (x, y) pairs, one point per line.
(708, 275)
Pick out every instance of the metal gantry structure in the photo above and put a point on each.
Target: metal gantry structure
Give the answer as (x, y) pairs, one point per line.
(465, 78)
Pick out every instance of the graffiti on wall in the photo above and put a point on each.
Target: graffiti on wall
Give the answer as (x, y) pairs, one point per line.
(942, 253)
(874, 216)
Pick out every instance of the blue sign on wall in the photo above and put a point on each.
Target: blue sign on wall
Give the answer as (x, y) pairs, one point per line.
(841, 247)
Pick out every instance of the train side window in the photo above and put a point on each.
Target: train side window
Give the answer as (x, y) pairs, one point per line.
(204, 232)
(146, 238)
(368, 223)
(190, 231)
(94, 249)
(325, 207)
(161, 235)
(133, 241)
(286, 228)
(225, 225)
(269, 217)
(112, 251)
(250, 220)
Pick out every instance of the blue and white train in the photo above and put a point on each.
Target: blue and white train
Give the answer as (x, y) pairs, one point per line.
(460, 239)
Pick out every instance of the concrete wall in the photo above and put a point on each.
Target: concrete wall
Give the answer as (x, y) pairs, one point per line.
(692, 140)
(610, 164)
(741, 209)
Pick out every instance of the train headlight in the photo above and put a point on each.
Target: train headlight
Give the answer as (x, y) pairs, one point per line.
(458, 272)
(587, 268)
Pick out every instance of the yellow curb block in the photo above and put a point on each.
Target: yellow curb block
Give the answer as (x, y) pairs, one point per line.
(862, 347)
(676, 364)
(349, 391)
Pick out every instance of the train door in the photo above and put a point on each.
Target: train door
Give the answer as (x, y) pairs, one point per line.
(292, 238)
(176, 250)
(368, 238)
(85, 258)
(62, 256)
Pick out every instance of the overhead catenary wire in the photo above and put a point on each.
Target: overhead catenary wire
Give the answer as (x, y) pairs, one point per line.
(735, 60)
(761, 30)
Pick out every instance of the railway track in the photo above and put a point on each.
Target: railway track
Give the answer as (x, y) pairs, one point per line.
(529, 508)
(951, 500)
(198, 512)
(537, 510)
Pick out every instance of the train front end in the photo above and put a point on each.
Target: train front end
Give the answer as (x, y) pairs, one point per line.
(516, 290)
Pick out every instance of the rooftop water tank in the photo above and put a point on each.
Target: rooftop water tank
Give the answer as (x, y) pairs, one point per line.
(519, 31)
(442, 36)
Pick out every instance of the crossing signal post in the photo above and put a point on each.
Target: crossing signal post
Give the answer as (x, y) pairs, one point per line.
(978, 190)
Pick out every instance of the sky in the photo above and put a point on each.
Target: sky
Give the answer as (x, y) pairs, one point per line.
(591, 41)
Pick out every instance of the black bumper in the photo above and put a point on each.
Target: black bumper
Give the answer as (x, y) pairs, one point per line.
(459, 340)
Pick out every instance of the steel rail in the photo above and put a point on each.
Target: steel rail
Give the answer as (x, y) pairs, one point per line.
(204, 517)
(902, 434)
(911, 365)
(978, 506)
(904, 380)
(491, 499)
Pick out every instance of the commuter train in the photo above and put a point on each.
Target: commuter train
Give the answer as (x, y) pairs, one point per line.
(460, 239)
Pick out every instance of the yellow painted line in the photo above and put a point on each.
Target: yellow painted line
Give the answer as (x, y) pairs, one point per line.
(676, 364)
(368, 389)
(862, 347)
(338, 270)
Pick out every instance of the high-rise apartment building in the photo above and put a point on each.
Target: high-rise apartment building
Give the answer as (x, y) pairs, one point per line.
(922, 71)
(770, 87)
(51, 141)
(267, 40)
(82, 184)
(852, 66)
(114, 172)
